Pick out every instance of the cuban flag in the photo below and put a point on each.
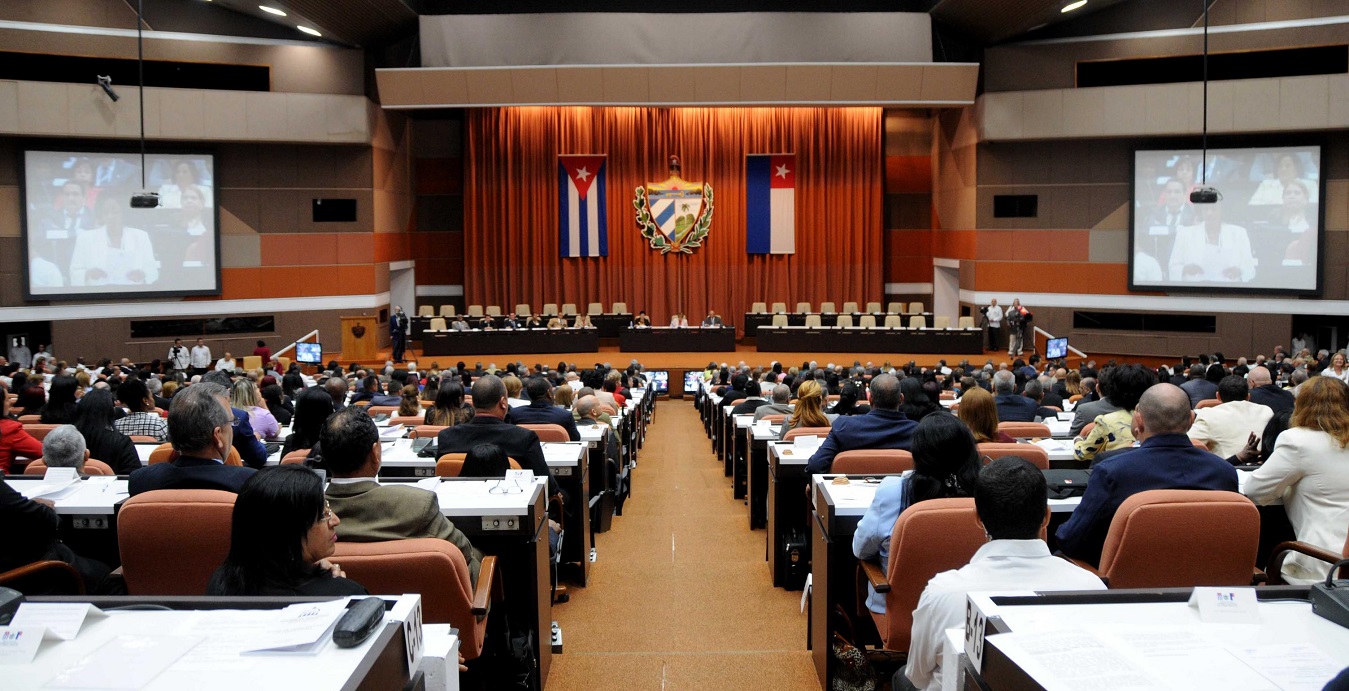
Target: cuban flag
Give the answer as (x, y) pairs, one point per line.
(770, 203)
(582, 225)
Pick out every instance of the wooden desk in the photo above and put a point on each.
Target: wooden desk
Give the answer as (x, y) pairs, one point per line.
(663, 339)
(878, 340)
(787, 506)
(510, 341)
(832, 567)
(753, 321)
(757, 476)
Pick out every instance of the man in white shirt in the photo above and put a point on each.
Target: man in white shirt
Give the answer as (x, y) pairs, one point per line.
(178, 357)
(1225, 428)
(994, 325)
(42, 353)
(200, 357)
(1010, 497)
(225, 364)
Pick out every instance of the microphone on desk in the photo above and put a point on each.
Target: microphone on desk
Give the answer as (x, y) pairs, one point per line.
(1329, 600)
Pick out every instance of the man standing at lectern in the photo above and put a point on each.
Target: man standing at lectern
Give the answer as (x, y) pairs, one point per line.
(398, 329)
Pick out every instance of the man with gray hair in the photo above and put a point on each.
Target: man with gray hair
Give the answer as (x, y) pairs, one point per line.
(780, 404)
(884, 427)
(488, 426)
(64, 447)
(1011, 406)
(201, 425)
(1165, 459)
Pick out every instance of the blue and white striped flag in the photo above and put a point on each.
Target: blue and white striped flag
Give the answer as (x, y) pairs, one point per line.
(770, 203)
(581, 192)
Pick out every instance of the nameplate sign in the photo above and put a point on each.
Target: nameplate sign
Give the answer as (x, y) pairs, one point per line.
(18, 644)
(61, 620)
(1226, 605)
(407, 610)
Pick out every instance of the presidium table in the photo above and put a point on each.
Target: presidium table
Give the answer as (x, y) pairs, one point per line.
(509, 341)
(663, 339)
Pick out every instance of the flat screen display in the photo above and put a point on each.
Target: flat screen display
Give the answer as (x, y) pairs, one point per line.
(309, 353)
(661, 378)
(691, 381)
(82, 238)
(1056, 348)
(1265, 235)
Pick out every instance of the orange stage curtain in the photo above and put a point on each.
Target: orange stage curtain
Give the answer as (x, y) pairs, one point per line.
(511, 208)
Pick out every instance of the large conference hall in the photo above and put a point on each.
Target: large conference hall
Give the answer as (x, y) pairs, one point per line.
(917, 344)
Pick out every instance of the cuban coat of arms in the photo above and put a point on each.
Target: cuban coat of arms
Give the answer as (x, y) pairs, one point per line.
(674, 215)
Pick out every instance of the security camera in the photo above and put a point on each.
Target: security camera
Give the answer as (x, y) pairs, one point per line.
(106, 83)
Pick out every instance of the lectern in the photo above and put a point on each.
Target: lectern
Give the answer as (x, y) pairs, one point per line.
(360, 339)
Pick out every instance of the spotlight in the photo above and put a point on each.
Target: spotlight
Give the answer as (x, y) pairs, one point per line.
(106, 83)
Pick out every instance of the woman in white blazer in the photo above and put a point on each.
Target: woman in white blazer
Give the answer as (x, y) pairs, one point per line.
(1309, 471)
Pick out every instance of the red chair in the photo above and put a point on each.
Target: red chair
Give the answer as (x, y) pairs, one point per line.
(1036, 455)
(91, 467)
(872, 462)
(172, 540)
(1024, 429)
(548, 433)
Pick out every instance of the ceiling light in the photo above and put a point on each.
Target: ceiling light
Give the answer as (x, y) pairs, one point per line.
(279, 13)
(1066, 8)
(309, 31)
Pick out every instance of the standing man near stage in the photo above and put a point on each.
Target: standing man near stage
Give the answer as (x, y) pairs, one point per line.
(1017, 319)
(398, 330)
(994, 314)
(178, 358)
(200, 358)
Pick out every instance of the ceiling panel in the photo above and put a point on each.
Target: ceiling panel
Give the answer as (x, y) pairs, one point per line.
(993, 21)
(362, 22)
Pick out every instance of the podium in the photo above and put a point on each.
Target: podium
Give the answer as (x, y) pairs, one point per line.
(360, 339)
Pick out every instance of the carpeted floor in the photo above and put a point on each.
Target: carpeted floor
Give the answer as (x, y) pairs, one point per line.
(680, 596)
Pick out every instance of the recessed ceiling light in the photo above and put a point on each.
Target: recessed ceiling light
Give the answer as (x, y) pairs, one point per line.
(1073, 5)
(309, 31)
(279, 13)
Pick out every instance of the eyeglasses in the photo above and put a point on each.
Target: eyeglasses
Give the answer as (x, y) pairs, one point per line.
(501, 488)
(327, 516)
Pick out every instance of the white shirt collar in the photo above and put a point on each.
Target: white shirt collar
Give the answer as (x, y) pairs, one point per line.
(349, 480)
(994, 549)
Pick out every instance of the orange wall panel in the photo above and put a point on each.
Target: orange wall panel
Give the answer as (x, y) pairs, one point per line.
(298, 249)
(1051, 277)
(355, 248)
(358, 279)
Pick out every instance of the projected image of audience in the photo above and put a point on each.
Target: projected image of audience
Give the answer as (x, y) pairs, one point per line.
(84, 239)
(1264, 234)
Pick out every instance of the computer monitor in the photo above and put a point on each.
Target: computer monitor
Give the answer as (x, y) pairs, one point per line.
(691, 381)
(1056, 348)
(309, 353)
(661, 378)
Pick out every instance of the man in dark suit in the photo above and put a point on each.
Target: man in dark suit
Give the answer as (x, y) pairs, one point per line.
(372, 512)
(201, 427)
(1265, 392)
(752, 402)
(712, 320)
(1012, 407)
(1166, 459)
(488, 426)
(737, 392)
(541, 410)
(884, 427)
(31, 527)
(369, 389)
(398, 332)
(251, 450)
(1088, 411)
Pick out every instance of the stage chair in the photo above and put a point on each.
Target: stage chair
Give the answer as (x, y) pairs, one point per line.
(820, 432)
(918, 322)
(1024, 429)
(894, 308)
(475, 310)
(929, 537)
(867, 321)
(450, 464)
(828, 308)
(620, 308)
(172, 540)
(872, 462)
(873, 307)
(426, 311)
(779, 307)
(850, 307)
(967, 323)
(437, 570)
(447, 311)
(813, 321)
(779, 320)
(438, 324)
(916, 307)
(494, 310)
(569, 309)
(523, 310)
(758, 308)
(252, 362)
(941, 322)
(44, 578)
(1177, 538)
(548, 432)
(1033, 454)
(550, 308)
(803, 307)
(283, 362)
(594, 309)
(844, 321)
(894, 321)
